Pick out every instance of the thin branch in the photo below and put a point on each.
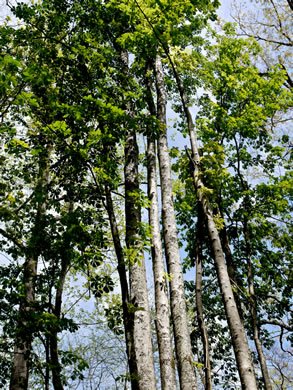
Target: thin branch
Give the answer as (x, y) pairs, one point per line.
(277, 323)
(12, 238)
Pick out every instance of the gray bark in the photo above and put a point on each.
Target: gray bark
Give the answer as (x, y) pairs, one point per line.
(137, 274)
(167, 363)
(253, 311)
(231, 268)
(199, 305)
(178, 304)
(237, 331)
(142, 334)
(238, 336)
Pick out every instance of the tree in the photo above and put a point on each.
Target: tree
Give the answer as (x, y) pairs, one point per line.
(82, 85)
(271, 26)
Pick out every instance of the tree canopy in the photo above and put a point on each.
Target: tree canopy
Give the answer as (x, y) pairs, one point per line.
(97, 207)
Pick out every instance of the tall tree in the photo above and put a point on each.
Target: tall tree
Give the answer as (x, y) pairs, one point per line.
(167, 362)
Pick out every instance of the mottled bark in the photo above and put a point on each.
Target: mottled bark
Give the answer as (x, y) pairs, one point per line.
(137, 274)
(231, 269)
(178, 305)
(199, 304)
(167, 363)
(142, 334)
(237, 331)
(253, 310)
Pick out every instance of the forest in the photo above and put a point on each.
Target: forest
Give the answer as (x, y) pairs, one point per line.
(146, 195)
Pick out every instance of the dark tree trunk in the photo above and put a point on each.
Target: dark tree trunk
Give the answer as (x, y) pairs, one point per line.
(127, 316)
(23, 339)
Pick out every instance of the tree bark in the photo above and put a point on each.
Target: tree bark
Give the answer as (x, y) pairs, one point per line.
(253, 310)
(127, 316)
(237, 331)
(23, 340)
(56, 367)
(137, 274)
(290, 3)
(199, 305)
(178, 304)
(167, 363)
(231, 269)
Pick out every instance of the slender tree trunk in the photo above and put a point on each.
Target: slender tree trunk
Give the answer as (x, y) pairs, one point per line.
(231, 269)
(252, 297)
(138, 292)
(290, 3)
(127, 315)
(167, 363)
(199, 305)
(55, 365)
(137, 272)
(253, 310)
(237, 331)
(178, 304)
(22, 348)
(23, 340)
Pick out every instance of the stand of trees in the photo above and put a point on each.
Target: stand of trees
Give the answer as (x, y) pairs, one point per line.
(85, 91)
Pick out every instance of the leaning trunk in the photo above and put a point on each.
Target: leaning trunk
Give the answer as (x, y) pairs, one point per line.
(178, 304)
(238, 336)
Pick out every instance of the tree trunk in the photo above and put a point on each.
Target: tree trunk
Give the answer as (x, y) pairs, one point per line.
(178, 304)
(252, 297)
(55, 365)
(231, 269)
(253, 310)
(137, 274)
(167, 363)
(290, 3)
(199, 305)
(139, 305)
(237, 331)
(127, 316)
(23, 340)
